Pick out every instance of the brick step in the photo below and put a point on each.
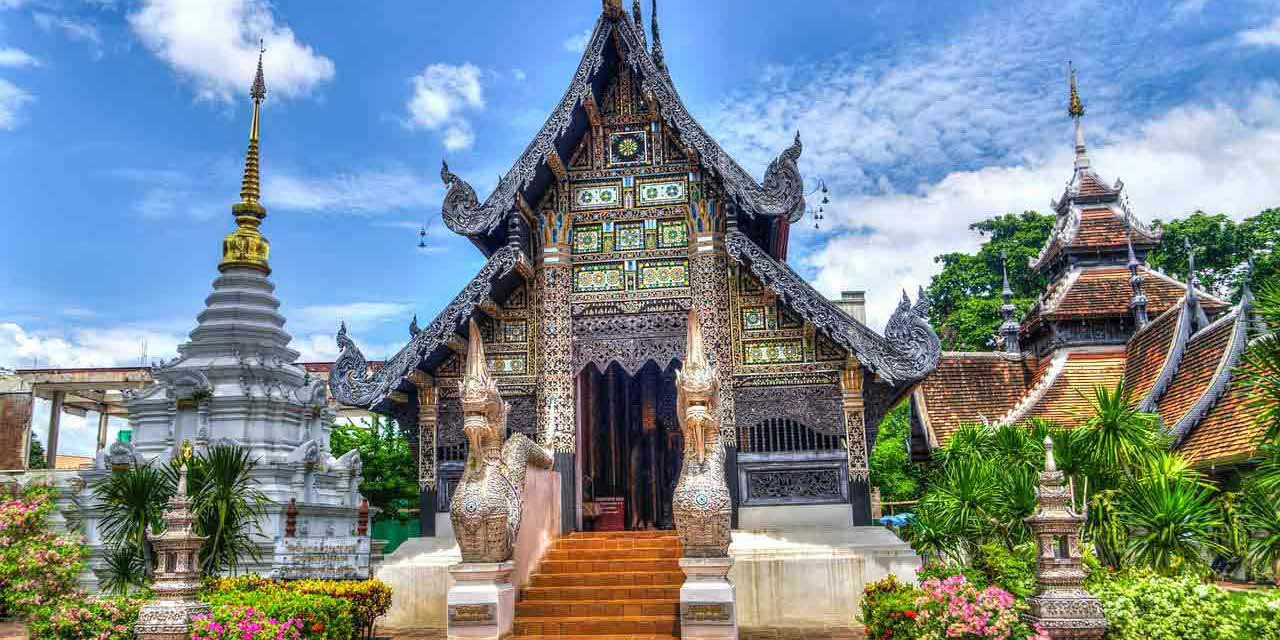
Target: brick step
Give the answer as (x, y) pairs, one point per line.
(615, 579)
(634, 535)
(593, 626)
(597, 608)
(600, 592)
(666, 544)
(608, 566)
(626, 636)
(558, 554)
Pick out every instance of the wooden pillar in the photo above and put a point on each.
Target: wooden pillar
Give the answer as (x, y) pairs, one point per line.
(428, 478)
(709, 289)
(55, 422)
(855, 433)
(553, 279)
(103, 417)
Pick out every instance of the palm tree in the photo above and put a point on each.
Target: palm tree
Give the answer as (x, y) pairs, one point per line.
(1260, 513)
(227, 505)
(1116, 435)
(1171, 516)
(1260, 370)
(133, 502)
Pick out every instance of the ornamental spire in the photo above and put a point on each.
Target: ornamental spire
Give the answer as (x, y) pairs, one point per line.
(658, 58)
(1010, 328)
(638, 19)
(1200, 320)
(1138, 303)
(246, 247)
(1075, 109)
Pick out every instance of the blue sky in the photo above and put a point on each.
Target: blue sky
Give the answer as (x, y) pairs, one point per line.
(123, 125)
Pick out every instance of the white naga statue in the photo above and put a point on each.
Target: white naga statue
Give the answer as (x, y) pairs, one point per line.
(701, 504)
(485, 509)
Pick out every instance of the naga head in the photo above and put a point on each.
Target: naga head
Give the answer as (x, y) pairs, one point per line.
(697, 385)
(484, 412)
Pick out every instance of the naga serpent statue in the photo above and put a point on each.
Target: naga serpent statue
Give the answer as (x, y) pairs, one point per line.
(485, 509)
(701, 504)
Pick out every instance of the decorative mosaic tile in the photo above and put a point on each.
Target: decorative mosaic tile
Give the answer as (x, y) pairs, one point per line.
(587, 238)
(508, 365)
(598, 277)
(665, 192)
(628, 236)
(754, 318)
(673, 233)
(663, 274)
(628, 148)
(608, 196)
(515, 331)
(773, 352)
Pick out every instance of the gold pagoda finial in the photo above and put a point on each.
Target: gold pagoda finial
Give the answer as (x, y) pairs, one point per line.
(246, 247)
(1076, 107)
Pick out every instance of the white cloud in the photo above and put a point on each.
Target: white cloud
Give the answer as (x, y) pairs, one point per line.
(577, 43)
(12, 98)
(357, 315)
(361, 193)
(73, 28)
(11, 57)
(442, 93)
(1218, 157)
(1264, 36)
(90, 347)
(214, 44)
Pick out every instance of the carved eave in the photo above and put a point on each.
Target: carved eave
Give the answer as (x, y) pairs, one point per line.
(1239, 319)
(780, 195)
(383, 391)
(1088, 191)
(908, 351)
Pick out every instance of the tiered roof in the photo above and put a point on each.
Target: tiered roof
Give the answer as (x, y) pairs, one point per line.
(1178, 364)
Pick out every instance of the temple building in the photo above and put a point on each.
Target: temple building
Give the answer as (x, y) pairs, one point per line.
(1105, 318)
(621, 215)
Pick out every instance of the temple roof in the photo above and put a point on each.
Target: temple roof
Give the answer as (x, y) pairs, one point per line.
(972, 388)
(1105, 291)
(1153, 352)
(780, 195)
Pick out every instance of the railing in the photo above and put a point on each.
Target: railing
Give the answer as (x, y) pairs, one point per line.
(779, 435)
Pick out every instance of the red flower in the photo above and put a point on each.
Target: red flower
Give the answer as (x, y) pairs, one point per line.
(887, 633)
(911, 614)
(317, 627)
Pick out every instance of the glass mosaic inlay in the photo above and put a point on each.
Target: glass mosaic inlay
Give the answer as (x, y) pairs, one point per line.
(597, 197)
(628, 148)
(598, 277)
(773, 352)
(587, 238)
(628, 236)
(673, 233)
(663, 274)
(665, 192)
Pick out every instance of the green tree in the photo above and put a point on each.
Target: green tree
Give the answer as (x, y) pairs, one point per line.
(36, 456)
(390, 473)
(892, 471)
(965, 295)
(1218, 245)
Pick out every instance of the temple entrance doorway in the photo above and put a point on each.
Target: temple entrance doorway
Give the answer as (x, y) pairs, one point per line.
(630, 446)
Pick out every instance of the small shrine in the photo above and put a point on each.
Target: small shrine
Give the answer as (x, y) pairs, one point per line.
(1061, 606)
(177, 579)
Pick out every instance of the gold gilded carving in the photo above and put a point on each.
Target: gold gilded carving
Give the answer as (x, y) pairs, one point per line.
(701, 505)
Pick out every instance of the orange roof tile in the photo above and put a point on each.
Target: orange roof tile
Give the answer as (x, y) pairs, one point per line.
(968, 387)
(1148, 351)
(1229, 432)
(72, 462)
(1068, 396)
(1099, 292)
(1091, 186)
(1204, 353)
(1101, 228)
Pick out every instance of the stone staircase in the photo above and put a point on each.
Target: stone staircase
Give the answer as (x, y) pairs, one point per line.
(611, 585)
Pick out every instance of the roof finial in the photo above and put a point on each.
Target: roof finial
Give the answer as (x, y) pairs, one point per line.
(1075, 109)
(1246, 280)
(246, 247)
(1010, 328)
(612, 9)
(1200, 320)
(638, 19)
(1138, 303)
(658, 58)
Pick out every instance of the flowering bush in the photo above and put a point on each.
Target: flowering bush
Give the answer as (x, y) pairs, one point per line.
(320, 617)
(243, 623)
(889, 609)
(955, 608)
(1144, 606)
(82, 617)
(38, 567)
(368, 599)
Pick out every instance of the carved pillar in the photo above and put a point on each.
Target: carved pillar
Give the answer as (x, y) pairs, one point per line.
(855, 432)
(428, 418)
(709, 289)
(555, 377)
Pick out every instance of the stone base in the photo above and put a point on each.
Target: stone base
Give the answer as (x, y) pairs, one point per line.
(168, 619)
(1070, 614)
(482, 600)
(707, 606)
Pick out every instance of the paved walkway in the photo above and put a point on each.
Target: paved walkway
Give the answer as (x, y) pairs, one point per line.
(12, 631)
(747, 634)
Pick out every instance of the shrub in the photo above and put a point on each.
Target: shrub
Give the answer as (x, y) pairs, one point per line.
(369, 598)
(889, 609)
(321, 617)
(243, 623)
(1145, 606)
(1014, 571)
(955, 608)
(82, 617)
(38, 567)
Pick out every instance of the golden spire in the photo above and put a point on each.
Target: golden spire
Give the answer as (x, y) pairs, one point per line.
(246, 247)
(1076, 108)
